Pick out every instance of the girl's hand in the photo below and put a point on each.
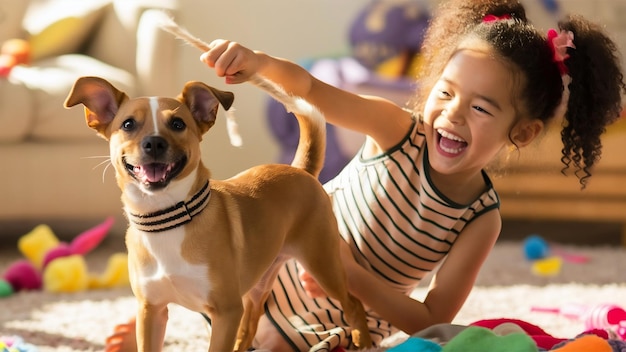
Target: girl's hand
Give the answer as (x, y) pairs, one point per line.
(309, 284)
(231, 60)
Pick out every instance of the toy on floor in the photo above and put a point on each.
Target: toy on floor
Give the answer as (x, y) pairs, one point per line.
(602, 316)
(505, 335)
(535, 247)
(55, 266)
(547, 259)
(15, 344)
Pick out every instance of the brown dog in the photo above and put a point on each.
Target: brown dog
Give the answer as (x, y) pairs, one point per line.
(212, 246)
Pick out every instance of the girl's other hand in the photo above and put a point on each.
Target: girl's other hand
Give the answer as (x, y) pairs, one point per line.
(309, 284)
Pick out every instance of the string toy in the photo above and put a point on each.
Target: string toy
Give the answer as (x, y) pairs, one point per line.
(168, 24)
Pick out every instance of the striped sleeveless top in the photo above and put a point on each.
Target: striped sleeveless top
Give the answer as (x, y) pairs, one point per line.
(398, 225)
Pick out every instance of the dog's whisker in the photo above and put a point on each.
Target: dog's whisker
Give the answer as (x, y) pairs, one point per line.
(95, 157)
(108, 161)
(104, 172)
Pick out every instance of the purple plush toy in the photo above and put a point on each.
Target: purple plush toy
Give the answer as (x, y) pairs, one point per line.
(386, 36)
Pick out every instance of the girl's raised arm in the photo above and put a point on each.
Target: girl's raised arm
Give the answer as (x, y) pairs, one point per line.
(382, 120)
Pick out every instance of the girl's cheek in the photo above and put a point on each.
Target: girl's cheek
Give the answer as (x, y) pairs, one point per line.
(429, 114)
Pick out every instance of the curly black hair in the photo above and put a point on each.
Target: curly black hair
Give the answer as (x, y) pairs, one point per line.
(596, 82)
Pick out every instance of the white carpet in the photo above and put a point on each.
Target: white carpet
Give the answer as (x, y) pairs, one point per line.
(506, 287)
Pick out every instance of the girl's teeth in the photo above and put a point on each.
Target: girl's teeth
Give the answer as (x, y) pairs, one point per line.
(450, 143)
(448, 135)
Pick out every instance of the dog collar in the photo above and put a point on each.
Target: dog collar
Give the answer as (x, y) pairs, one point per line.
(174, 216)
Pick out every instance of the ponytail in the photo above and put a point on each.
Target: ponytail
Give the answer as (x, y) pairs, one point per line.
(595, 94)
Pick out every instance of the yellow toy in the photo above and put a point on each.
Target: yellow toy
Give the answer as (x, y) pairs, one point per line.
(56, 266)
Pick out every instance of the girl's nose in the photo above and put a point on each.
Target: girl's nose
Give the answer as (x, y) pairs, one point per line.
(453, 112)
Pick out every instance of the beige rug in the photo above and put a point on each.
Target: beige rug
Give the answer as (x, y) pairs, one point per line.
(506, 287)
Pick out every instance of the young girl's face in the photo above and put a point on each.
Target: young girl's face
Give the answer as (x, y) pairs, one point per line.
(469, 113)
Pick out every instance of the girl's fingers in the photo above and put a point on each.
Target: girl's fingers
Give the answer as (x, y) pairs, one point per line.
(310, 285)
(228, 59)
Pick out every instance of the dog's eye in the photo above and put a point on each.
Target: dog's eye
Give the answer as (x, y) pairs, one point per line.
(178, 124)
(129, 125)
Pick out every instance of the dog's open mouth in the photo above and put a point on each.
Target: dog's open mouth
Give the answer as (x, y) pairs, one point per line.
(155, 174)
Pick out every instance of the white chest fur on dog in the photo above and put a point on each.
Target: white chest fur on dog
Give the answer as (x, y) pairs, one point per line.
(171, 278)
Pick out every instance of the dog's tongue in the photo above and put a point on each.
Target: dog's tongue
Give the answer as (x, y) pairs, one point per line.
(155, 172)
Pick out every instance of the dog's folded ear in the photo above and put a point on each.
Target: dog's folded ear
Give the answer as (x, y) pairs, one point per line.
(203, 102)
(100, 98)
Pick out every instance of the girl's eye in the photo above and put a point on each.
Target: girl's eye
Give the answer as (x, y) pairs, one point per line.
(129, 124)
(481, 110)
(444, 94)
(177, 124)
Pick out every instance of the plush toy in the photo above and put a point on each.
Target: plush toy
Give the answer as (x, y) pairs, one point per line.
(15, 344)
(536, 248)
(506, 335)
(546, 341)
(13, 52)
(483, 339)
(56, 266)
(547, 259)
(386, 37)
(416, 344)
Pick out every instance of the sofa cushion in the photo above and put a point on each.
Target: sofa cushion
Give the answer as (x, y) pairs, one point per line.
(16, 111)
(62, 27)
(51, 81)
(106, 45)
(123, 22)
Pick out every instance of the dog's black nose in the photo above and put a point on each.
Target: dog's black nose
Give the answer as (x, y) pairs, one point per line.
(154, 146)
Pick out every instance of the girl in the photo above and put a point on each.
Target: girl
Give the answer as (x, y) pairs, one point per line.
(417, 192)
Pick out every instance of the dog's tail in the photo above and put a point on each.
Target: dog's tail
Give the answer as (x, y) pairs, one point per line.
(312, 144)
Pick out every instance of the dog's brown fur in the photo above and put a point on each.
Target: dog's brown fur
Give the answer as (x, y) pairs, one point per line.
(223, 262)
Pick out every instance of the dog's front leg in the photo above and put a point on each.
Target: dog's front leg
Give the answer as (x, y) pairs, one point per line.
(151, 323)
(225, 319)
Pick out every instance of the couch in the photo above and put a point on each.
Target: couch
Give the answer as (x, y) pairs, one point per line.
(55, 168)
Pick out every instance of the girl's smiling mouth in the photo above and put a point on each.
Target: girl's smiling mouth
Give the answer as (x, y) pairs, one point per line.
(450, 143)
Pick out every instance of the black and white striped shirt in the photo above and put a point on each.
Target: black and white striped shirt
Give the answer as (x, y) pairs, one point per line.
(398, 225)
